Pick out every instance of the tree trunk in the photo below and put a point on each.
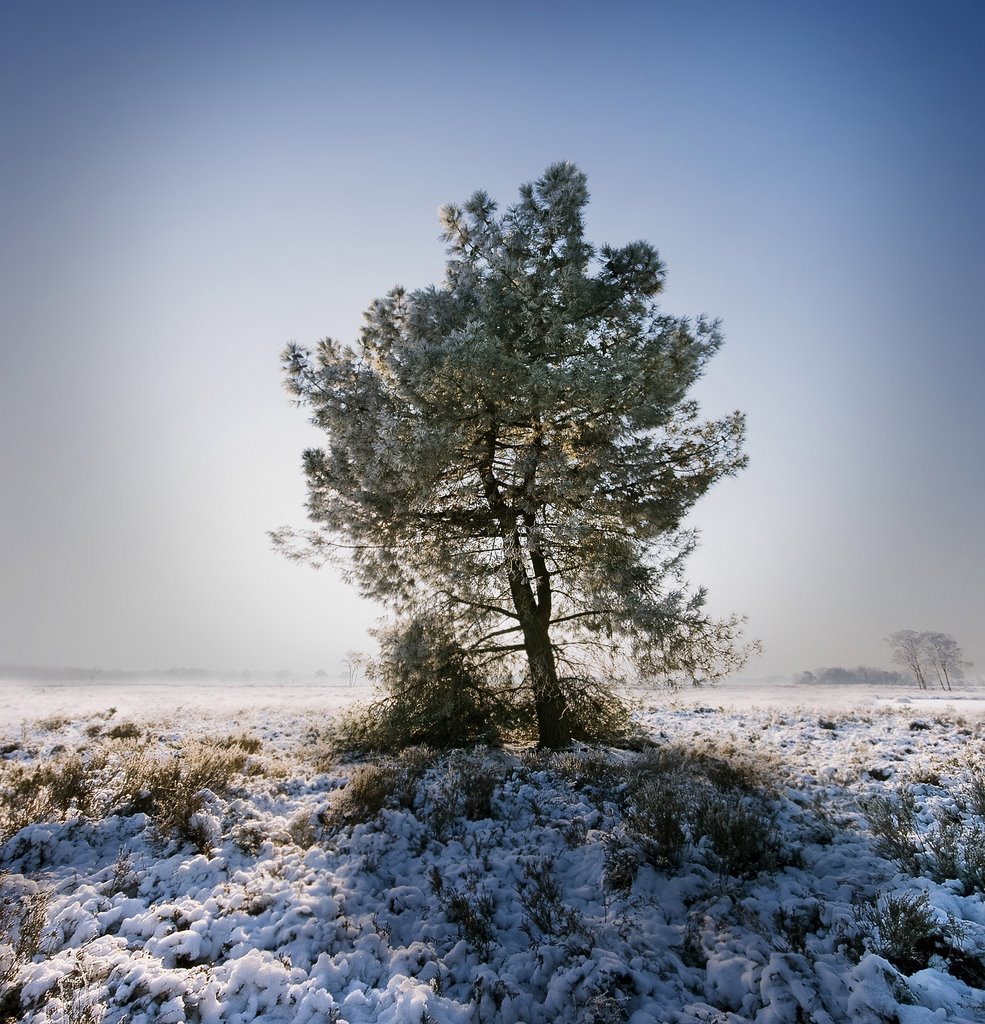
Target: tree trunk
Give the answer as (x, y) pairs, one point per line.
(533, 612)
(553, 731)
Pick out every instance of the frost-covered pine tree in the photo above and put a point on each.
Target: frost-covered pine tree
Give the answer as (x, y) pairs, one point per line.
(514, 450)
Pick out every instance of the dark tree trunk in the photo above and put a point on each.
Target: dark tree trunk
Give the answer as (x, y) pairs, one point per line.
(553, 731)
(533, 611)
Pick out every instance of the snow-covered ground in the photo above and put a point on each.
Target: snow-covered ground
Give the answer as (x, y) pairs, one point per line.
(782, 854)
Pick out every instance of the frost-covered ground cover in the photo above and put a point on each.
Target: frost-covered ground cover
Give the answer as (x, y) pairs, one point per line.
(797, 860)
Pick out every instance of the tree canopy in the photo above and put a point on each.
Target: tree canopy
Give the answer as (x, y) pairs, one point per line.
(512, 452)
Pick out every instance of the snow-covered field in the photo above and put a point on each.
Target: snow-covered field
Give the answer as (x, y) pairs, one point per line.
(781, 854)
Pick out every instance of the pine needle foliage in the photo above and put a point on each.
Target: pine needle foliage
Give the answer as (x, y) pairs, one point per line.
(514, 450)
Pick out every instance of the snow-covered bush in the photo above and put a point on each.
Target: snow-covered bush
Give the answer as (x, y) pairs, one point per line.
(675, 798)
(976, 792)
(657, 808)
(941, 844)
(432, 693)
(389, 782)
(23, 915)
(174, 789)
(125, 730)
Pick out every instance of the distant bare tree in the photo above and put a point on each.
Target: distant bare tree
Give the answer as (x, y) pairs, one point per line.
(351, 664)
(910, 650)
(946, 657)
(921, 652)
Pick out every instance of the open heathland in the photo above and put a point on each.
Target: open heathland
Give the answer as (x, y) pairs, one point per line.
(816, 858)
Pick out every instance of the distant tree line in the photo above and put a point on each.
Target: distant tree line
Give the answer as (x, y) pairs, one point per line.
(842, 676)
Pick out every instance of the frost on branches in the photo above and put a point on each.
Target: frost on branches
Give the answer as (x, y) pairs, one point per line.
(512, 452)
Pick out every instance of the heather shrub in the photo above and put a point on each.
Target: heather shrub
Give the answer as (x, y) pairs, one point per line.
(462, 786)
(675, 799)
(657, 811)
(902, 928)
(893, 823)
(470, 908)
(547, 917)
(975, 792)
(973, 863)
(389, 782)
(242, 741)
(369, 789)
(53, 723)
(53, 791)
(125, 730)
(740, 834)
(23, 917)
(621, 863)
(177, 792)
(172, 789)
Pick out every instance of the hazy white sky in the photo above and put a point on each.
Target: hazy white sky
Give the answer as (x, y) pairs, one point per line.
(185, 187)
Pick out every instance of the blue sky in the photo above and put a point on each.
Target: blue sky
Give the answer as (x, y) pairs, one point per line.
(186, 187)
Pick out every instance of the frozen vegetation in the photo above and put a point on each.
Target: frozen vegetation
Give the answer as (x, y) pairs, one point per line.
(773, 861)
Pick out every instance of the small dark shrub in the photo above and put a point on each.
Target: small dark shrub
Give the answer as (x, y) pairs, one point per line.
(471, 909)
(943, 849)
(904, 930)
(546, 913)
(973, 866)
(302, 830)
(604, 1008)
(123, 731)
(249, 836)
(793, 925)
(23, 916)
(124, 878)
(740, 831)
(391, 782)
(622, 862)
(369, 789)
(975, 792)
(657, 812)
(462, 787)
(53, 723)
(242, 741)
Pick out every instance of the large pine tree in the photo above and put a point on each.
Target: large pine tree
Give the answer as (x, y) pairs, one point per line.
(514, 449)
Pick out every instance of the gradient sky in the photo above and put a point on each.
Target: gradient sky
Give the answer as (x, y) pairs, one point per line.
(184, 187)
